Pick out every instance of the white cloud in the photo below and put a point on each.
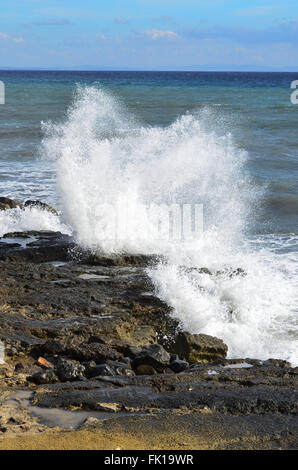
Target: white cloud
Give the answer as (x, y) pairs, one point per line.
(157, 34)
(7, 37)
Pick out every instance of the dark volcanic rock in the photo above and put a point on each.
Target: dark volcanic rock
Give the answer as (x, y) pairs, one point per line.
(44, 377)
(123, 347)
(178, 365)
(99, 353)
(120, 260)
(69, 371)
(50, 347)
(49, 246)
(199, 348)
(153, 355)
(101, 369)
(228, 401)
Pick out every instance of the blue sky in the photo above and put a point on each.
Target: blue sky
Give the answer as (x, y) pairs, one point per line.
(149, 34)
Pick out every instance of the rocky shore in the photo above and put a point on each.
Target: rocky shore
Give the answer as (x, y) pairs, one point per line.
(93, 359)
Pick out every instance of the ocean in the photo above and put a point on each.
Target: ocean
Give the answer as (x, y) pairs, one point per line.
(227, 141)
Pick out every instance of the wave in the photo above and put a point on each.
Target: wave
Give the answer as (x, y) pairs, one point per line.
(30, 218)
(105, 156)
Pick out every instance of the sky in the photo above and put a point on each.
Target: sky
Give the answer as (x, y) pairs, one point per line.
(149, 34)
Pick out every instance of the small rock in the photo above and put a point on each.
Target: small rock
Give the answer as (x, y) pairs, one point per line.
(178, 365)
(44, 377)
(101, 370)
(51, 347)
(69, 371)
(199, 348)
(153, 355)
(114, 407)
(42, 362)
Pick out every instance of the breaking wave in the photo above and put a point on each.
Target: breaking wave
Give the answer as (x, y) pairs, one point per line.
(105, 156)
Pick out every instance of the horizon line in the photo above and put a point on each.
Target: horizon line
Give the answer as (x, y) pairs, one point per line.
(120, 69)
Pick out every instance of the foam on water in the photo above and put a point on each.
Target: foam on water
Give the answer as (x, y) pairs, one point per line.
(30, 218)
(105, 156)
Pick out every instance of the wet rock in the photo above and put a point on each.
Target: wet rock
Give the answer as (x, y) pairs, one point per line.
(153, 355)
(233, 401)
(69, 371)
(199, 348)
(44, 377)
(42, 234)
(120, 260)
(178, 365)
(50, 246)
(231, 272)
(195, 270)
(40, 205)
(7, 246)
(6, 203)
